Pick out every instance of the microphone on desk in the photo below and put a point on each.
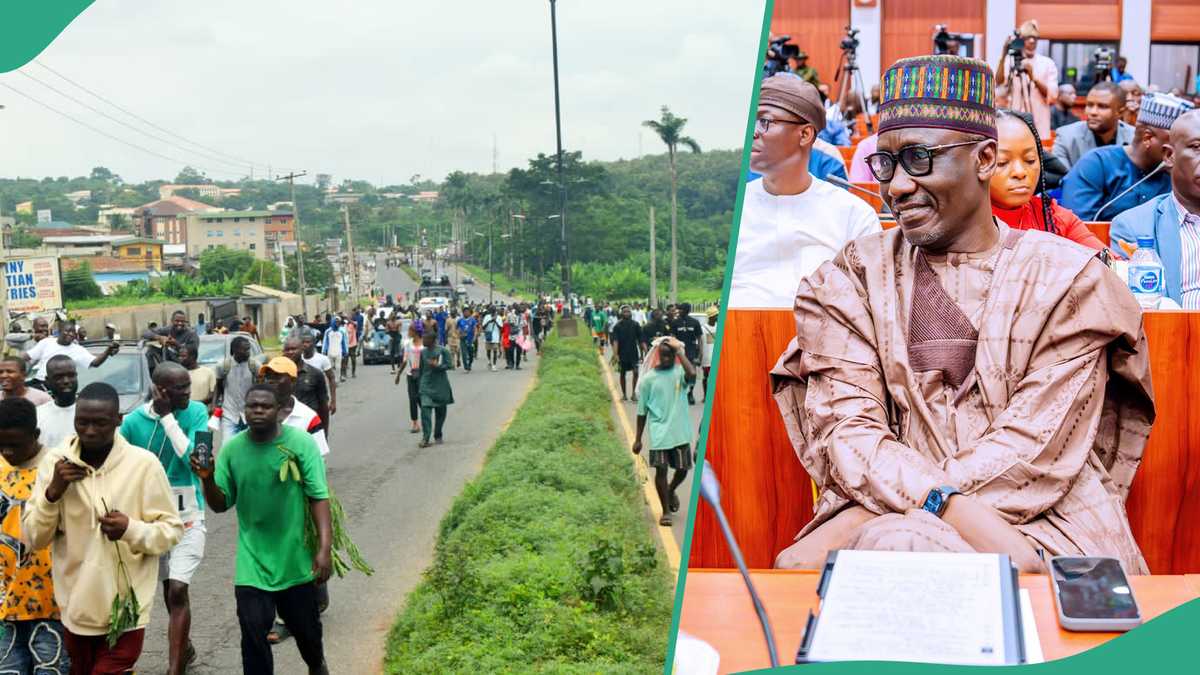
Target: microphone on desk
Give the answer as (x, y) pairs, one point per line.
(1124, 192)
(851, 186)
(710, 490)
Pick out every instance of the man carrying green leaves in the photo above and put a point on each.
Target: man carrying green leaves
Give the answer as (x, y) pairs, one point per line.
(275, 477)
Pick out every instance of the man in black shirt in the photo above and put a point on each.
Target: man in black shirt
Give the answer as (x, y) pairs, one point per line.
(627, 338)
(311, 387)
(687, 330)
(173, 336)
(656, 327)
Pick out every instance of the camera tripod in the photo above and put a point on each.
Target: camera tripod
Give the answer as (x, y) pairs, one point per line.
(852, 84)
(1018, 78)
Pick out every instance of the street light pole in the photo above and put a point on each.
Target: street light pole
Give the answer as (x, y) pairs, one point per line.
(291, 179)
(562, 188)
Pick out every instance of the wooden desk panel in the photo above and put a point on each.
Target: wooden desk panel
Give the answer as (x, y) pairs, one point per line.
(768, 496)
(717, 609)
(1164, 503)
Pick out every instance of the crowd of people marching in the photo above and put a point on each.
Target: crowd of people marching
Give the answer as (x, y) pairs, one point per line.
(101, 509)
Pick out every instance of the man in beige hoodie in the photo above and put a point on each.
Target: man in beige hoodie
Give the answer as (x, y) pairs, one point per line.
(103, 504)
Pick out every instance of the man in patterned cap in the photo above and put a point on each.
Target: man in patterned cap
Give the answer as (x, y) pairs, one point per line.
(1112, 179)
(1173, 219)
(951, 384)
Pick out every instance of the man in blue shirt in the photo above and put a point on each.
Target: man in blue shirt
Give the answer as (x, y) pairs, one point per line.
(440, 317)
(1113, 179)
(466, 332)
(1173, 219)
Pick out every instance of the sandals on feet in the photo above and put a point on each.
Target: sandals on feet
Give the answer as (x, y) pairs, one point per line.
(665, 521)
(278, 633)
(674, 503)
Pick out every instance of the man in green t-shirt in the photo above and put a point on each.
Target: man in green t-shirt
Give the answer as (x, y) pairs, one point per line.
(663, 402)
(599, 327)
(275, 477)
(167, 426)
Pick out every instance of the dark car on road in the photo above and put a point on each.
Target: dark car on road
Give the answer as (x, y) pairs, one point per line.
(376, 348)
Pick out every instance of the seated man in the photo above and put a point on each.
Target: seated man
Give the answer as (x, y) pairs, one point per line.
(1113, 179)
(791, 221)
(1103, 127)
(955, 384)
(1173, 219)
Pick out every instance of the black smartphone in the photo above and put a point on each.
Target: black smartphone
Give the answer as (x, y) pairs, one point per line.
(1093, 594)
(203, 449)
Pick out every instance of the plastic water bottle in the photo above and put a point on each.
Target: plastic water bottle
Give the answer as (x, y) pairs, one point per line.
(1146, 274)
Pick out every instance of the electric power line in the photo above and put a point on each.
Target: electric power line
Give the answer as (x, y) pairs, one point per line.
(130, 126)
(110, 136)
(240, 160)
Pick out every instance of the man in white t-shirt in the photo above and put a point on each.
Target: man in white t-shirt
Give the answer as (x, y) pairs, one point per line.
(334, 345)
(322, 363)
(791, 222)
(56, 418)
(64, 343)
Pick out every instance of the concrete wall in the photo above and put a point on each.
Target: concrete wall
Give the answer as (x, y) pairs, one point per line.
(131, 321)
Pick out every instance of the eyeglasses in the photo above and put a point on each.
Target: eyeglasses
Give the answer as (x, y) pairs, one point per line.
(762, 124)
(917, 160)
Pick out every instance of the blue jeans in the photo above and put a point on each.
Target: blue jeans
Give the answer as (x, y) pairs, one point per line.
(35, 647)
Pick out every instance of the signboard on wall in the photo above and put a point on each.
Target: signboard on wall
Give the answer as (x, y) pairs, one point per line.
(44, 216)
(32, 285)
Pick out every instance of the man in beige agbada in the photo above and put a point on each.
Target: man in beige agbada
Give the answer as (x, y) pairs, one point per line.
(956, 385)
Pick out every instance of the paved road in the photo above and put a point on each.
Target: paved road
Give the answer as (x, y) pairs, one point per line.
(394, 495)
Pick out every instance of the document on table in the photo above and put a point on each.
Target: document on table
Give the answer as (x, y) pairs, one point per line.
(925, 607)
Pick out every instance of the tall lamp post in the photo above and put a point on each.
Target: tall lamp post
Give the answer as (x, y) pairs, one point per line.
(562, 188)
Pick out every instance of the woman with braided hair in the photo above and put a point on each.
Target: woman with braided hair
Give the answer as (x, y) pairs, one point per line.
(1018, 187)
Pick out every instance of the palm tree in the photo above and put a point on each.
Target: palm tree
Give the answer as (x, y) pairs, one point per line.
(670, 130)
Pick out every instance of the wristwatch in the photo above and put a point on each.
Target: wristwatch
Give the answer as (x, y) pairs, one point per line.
(938, 497)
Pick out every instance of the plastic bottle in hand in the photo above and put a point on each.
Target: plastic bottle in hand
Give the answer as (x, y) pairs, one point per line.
(1146, 274)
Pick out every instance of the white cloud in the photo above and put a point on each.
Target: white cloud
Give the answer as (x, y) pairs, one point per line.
(382, 90)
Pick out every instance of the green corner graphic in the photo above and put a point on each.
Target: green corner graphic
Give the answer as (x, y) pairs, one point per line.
(28, 26)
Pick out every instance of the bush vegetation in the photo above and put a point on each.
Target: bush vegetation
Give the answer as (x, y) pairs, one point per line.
(545, 562)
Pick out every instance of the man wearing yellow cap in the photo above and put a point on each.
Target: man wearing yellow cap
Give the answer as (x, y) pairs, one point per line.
(280, 372)
(954, 384)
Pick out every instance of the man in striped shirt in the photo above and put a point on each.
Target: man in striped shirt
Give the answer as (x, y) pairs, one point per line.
(1173, 219)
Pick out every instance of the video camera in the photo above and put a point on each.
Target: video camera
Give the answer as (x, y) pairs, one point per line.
(942, 38)
(779, 50)
(1016, 51)
(850, 42)
(1102, 62)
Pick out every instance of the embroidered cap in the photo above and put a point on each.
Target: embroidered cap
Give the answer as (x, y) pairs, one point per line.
(939, 92)
(1161, 110)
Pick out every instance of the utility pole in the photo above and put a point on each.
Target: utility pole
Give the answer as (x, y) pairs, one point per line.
(291, 179)
(491, 272)
(653, 264)
(353, 260)
(562, 187)
(282, 267)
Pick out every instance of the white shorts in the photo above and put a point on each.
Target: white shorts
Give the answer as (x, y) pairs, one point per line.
(180, 563)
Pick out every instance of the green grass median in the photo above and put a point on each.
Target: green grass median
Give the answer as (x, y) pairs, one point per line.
(545, 562)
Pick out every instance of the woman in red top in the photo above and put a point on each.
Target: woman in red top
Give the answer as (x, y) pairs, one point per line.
(1018, 190)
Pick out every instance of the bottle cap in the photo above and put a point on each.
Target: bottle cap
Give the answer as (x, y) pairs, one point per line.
(1145, 242)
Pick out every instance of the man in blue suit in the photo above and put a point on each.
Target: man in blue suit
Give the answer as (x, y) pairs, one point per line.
(1173, 219)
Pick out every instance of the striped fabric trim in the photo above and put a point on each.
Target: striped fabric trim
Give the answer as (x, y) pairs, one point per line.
(939, 115)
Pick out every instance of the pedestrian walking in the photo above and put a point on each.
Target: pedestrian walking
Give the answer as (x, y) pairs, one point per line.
(663, 406)
(454, 339)
(107, 509)
(435, 390)
(492, 335)
(275, 571)
(32, 636)
(687, 330)
(412, 361)
(167, 427)
(468, 338)
(395, 339)
(334, 345)
(352, 338)
(627, 340)
(235, 376)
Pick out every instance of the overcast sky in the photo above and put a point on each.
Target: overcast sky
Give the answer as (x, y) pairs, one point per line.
(377, 89)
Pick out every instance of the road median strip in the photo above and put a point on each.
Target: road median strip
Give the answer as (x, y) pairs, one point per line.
(544, 561)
